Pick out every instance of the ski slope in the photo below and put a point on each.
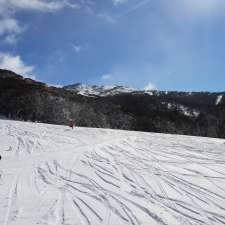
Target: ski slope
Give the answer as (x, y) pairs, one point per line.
(52, 175)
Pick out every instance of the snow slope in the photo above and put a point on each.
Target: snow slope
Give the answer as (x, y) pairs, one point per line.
(51, 175)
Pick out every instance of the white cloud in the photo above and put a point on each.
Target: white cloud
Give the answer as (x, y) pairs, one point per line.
(106, 76)
(107, 18)
(196, 8)
(150, 86)
(202, 5)
(76, 48)
(10, 29)
(119, 2)
(10, 26)
(135, 7)
(11, 39)
(15, 64)
(36, 5)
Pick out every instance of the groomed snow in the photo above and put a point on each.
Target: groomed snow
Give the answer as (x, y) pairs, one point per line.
(52, 175)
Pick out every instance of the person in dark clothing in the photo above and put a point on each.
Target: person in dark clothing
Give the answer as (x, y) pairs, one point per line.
(72, 123)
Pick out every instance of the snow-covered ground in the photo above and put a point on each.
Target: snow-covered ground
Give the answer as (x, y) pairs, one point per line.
(52, 175)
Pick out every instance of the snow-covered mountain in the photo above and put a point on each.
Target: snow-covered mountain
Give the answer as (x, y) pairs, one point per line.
(94, 90)
(52, 175)
(191, 113)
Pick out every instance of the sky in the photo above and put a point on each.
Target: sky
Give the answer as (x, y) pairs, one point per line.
(144, 44)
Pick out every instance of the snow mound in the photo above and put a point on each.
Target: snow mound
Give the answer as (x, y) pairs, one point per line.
(52, 175)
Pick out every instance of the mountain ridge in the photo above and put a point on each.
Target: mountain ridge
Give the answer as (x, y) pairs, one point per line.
(98, 90)
(106, 90)
(189, 113)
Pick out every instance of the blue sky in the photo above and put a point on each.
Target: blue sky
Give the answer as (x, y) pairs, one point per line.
(162, 44)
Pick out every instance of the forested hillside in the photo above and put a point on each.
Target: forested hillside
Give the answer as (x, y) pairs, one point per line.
(195, 113)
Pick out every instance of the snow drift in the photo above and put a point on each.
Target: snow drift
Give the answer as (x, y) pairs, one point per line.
(52, 175)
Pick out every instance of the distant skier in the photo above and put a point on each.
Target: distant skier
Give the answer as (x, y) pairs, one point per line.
(72, 123)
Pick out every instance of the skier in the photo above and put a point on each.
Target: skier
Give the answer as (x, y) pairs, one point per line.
(72, 123)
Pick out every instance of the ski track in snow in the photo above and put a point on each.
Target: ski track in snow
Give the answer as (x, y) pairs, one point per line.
(52, 175)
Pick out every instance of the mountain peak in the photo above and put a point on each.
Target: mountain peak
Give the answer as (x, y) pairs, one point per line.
(101, 90)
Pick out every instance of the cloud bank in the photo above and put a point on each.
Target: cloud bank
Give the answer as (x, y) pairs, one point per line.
(10, 29)
(150, 87)
(107, 76)
(15, 64)
(35, 5)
